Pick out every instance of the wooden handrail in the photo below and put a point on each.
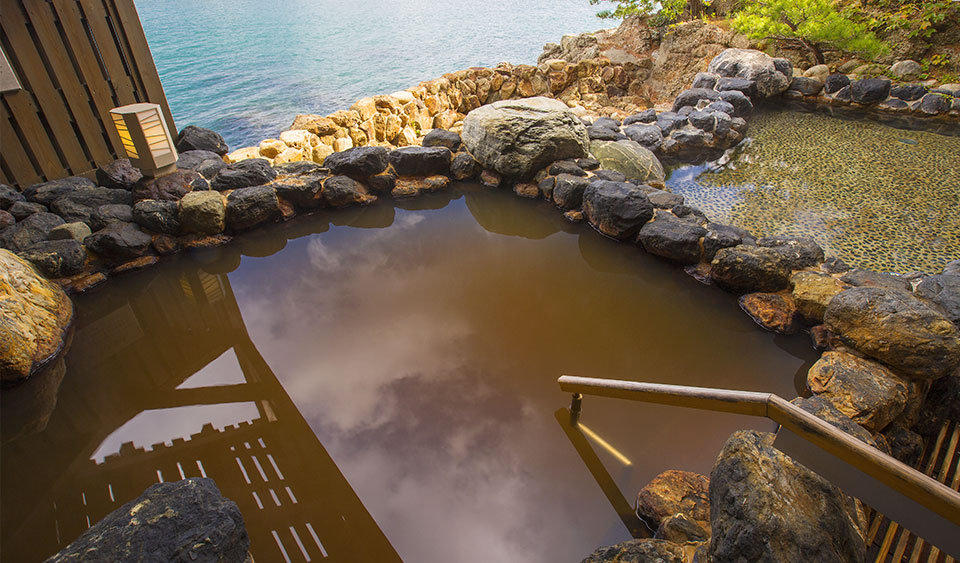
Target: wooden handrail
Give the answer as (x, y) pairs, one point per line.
(925, 491)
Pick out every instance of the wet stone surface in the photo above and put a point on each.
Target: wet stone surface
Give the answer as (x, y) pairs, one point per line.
(880, 198)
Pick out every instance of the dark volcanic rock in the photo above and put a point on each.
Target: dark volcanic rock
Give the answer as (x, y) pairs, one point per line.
(56, 258)
(118, 175)
(908, 92)
(48, 192)
(566, 167)
(118, 242)
(616, 209)
(706, 80)
(692, 97)
(905, 445)
(944, 293)
(464, 167)
(358, 162)
(604, 134)
(669, 121)
(835, 83)
(646, 116)
(79, 204)
(106, 214)
(764, 506)
(193, 138)
(298, 168)
(23, 209)
(610, 175)
(157, 216)
(933, 104)
(896, 328)
(442, 138)
(806, 86)
(185, 520)
(568, 191)
(420, 161)
(170, 187)
(31, 230)
(244, 174)
(748, 87)
(723, 236)
(303, 191)
(648, 135)
(745, 269)
(6, 220)
(798, 252)
(9, 196)
(742, 105)
(867, 278)
(339, 191)
(638, 551)
(249, 207)
(671, 238)
(869, 90)
(193, 159)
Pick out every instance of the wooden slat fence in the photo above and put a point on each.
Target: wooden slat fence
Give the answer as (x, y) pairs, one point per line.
(75, 60)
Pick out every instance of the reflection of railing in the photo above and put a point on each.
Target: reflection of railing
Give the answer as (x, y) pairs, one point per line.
(921, 504)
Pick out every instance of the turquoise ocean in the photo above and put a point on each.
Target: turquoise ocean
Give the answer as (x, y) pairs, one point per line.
(245, 68)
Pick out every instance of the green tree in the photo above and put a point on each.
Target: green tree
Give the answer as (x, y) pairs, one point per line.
(665, 10)
(811, 23)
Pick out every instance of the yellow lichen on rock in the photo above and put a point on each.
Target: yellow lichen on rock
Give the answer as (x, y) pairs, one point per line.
(34, 317)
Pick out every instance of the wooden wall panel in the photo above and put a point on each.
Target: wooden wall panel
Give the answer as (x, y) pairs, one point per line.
(75, 60)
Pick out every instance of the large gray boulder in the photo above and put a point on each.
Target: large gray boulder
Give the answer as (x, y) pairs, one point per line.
(765, 507)
(519, 137)
(635, 161)
(249, 207)
(765, 71)
(187, 520)
(896, 328)
(943, 291)
(671, 238)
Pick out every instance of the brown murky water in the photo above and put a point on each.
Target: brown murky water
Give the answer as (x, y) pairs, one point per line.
(381, 382)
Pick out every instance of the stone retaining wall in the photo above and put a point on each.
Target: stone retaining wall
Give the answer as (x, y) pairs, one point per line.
(402, 118)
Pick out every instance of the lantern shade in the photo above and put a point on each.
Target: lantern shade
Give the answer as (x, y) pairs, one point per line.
(145, 138)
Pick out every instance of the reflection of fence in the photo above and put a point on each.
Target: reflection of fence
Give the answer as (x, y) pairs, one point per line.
(295, 502)
(74, 61)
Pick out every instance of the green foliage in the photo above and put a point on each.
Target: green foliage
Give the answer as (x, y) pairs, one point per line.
(919, 18)
(664, 11)
(809, 21)
(934, 65)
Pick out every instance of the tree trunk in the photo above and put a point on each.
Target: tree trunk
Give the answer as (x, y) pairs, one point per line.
(814, 50)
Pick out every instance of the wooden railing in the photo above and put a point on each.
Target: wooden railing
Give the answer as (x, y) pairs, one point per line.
(921, 504)
(73, 61)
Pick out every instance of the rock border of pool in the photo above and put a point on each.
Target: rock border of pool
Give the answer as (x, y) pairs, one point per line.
(887, 340)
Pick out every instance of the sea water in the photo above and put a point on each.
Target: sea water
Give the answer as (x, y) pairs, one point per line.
(245, 68)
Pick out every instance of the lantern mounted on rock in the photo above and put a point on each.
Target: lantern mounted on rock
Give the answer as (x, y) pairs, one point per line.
(146, 139)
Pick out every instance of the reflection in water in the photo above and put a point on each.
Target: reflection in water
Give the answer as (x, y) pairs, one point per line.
(416, 345)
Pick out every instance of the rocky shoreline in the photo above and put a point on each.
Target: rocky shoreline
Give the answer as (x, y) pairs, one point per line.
(888, 340)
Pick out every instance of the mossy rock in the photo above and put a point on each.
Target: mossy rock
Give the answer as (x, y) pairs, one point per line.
(631, 159)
